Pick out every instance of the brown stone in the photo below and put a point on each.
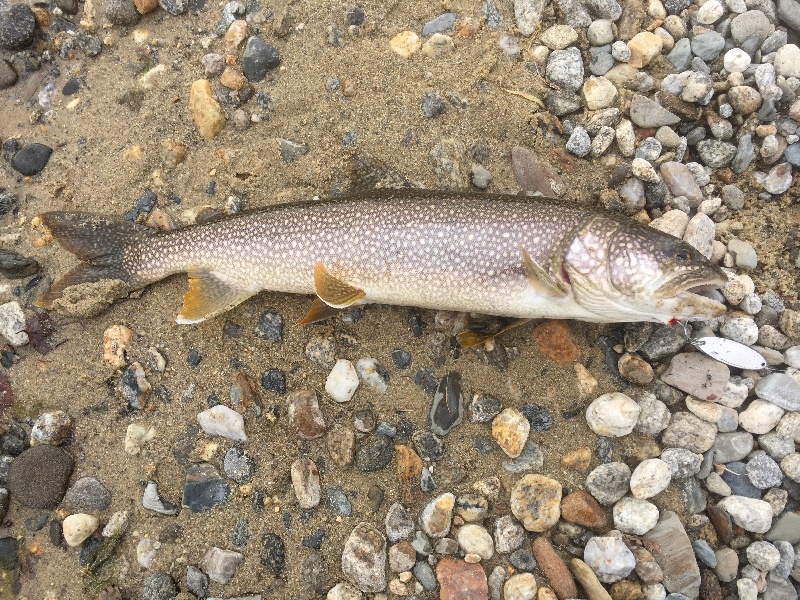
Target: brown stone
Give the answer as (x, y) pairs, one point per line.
(172, 153)
(632, 19)
(626, 590)
(341, 442)
(41, 16)
(534, 174)
(409, 472)
(554, 569)
(554, 339)
(710, 588)
(145, 6)
(646, 567)
(305, 417)
(536, 502)
(232, 78)
(235, 35)
(577, 460)
(721, 521)
(579, 507)
(671, 548)
(635, 369)
(459, 580)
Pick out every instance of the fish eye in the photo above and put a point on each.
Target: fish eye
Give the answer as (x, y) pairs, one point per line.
(682, 254)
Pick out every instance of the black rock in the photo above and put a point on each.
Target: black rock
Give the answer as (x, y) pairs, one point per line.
(38, 477)
(11, 445)
(194, 358)
(375, 454)
(4, 502)
(15, 266)
(69, 7)
(142, 208)
(426, 379)
(447, 408)
(426, 481)
(540, 418)
(241, 533)
(428, 445)
(170, 534)
(31, 159)
(735, 475)
(174, 7)
(10, 147)
(375, 495)
(522, 560)
(8, 74)
(89, 43)
(665, 341)
(122, 12)
(694, 501)
(401, 359)
(238, 466)
(273, 554)
(259, 58)
(270, 326)
(232, 330)
(313, 574)
(8, 553)
(204, 488)
(314, 541)
(274, 380)
(432, 105)
(675, 7)
(604, 449)
(415, 322)
(89, 547)
(159, 586)
(17, 27)
(354, 16)
(484, 408)
(56, 534)
(72, 87)
(37, 521)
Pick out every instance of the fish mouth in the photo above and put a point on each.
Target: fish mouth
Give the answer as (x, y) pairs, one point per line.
(694, 302)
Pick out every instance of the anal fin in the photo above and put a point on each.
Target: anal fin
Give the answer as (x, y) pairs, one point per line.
(207, 296)
(539, 279)
(470, 339)
(319, 312)
(334, 292)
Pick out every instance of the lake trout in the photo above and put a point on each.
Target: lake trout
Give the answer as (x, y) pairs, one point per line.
(492, 254)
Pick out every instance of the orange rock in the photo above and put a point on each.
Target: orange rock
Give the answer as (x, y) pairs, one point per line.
(635, 369)
(554, 339)
(577, 460)
(626, 590)
(554, 569)
(145, 6)
(235, 35)
(409, 472)
(232, 78)
(173, 153)
(41, 16)
(579, 507)
(459, 580)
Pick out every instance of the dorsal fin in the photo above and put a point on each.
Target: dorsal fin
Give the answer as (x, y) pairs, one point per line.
(319, 312)
(332, 291)
(208, 295)
(539, 279)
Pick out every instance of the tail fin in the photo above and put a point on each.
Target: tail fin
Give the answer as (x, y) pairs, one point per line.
(100, 243)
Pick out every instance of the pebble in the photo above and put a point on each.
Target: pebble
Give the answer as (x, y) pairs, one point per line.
(510, 430)
(609, 557)
(364, 558)
(763, 556)
(38, 477)
(727, 564)
(536, 502)
(374, 454)
(224, 422)
(146, 551)
(17, 26)
(672, 551)
(12, 324)
(580, 508)
(220, 565)
(780, 389)
(447, 405)
(779, 179)
(460, 579)
(791, 466)
(786, 61)
(680, 182)
(559, 37)
(204, 488)
(437, 515)
(51, 428)
(509, 535)
(32, 158)
(151, 500)
(158, 586)
(88, 494)
(682, 463)
(405, 43)
(308, 422)
(8, 74)
(209, 118)
(750, 514)
(613, 414)
(476, 540)
(730, 447)
(270, 326)
(565, 69)
(760, 417)
(698, 375)
(609, 482)
(258, 59)
(78, 527)
(645, 112)
(484, 408)
(398, 523)
(579, 142)
(654, 416)
(372, 374)
(635, 516)
(649, 478)
(439, 24)
(599, 93)
(521, 586)
(342, 381)
(196, 581)
(644, 47)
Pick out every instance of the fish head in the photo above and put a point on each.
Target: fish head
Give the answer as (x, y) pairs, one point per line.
(626, 271)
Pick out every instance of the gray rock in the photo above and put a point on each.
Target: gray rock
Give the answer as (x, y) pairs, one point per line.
(681, 55)
(174, 7)
(735, 475)
(789, 13)
(196, 581)
(698, 375)
(605, 9)
(89, 495)
(745, 153)
(528, 14)
(716, 153)
(648, 113)
(364, 558)
(708, 45)
(751, 23)
(704, 553)
(780, 389)
(682, 462)
(439, 24)
(787, 528)
(763, 472)
(18, 26)
(258, 59)
(565, 68)
(731, 447)
(238, 466)
(600, 63)
(221, 564)
(579, 142)
(151, 500)
(399, 525)
(159, 586)
(609, 482)
(786, 561)
(673, 552)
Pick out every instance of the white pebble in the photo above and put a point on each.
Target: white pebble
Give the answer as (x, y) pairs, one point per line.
(77, 528)
(369, 371)
(342, 381)
(760, 417)
(475, 539)
(650, 477)
(635, 516)
(12, 324)
(223, 421)
(146, 551)
(613, 414)
(736, 60)
(521, 586)
(136, 437)
(710, 12)
(742, 329)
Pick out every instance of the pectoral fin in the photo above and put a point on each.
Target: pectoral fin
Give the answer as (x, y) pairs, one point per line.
(539, 279)
(470, 339)
(208, 295)
(319, 312)
(332, 291)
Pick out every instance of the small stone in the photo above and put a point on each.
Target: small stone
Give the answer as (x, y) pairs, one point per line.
(459, 579)
(115, 345)
(342, 381)
(644, 47)
(38, 477)
(12, 324)
(580, 508)
(680, 182)
(158, 586)
(600, 32)
(521, 586)
(447, 406)
(650, 478)
(682, 463)
(554, 339)
(208, 115)
(364, 558)
(432, 105)
(763, 556)
(223, 421)
(609, 557)
(698, 375)
(645, 112)
(51, 428)
(780, 389)
(78, 527)
(635, 516)
(17, 26)
(238, 466)
(374, 454)
(579, 142)
(612, 414)
(436, 517)
(510, 430)
(565, 69)
(221, 565)
(509, 535)
(475, 539)
(151, 500)
(779, 179)
(88, 494)
(270, 326)
(786, 60)
(306, 418)
(760, 417)
(484, 408)
(405, 43)
(748, 513)
(399, 525)
(258, 59)
(204, 488)
(609, 482)
(673, 552)
(554, 568)
(536, 502)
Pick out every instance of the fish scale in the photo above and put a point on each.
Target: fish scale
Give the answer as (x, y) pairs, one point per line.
(484, 253)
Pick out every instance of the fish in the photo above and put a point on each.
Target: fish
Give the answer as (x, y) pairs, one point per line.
(504, 255)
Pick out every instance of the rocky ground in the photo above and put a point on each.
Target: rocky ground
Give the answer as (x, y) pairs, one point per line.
(369, 456)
